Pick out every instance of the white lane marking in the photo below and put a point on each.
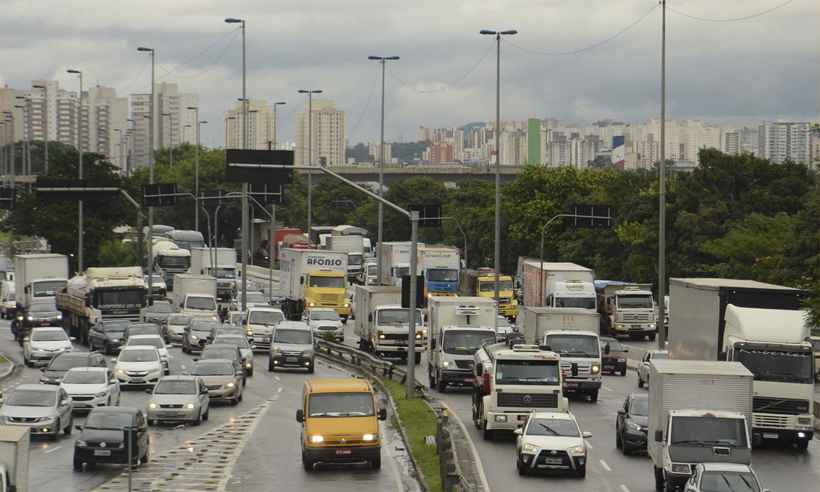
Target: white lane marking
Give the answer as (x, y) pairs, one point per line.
(478, 464)
(276, 378)
(606, 467)
(607, 388)
(51, 450)
(624, 488)
(279, 390)
(589, 445)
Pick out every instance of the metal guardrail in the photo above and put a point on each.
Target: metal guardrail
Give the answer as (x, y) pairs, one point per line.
(452, 478)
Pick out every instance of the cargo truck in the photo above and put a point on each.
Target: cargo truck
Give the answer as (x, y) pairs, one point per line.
(459, 326)
(395, 257)
(763, 327)
(354, 247)
(38, 276)
(102, 293)
(481, 283)
(699, 412)
(195, 295)
(573, 334)
(627, 309)
(557, 284)
(170, 259)
(202, 263)
(313, 278)
(382, 325)
(440, 266)
(15, 442)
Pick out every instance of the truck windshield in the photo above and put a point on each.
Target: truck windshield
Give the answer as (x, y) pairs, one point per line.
(635, 302)
(206, 303)
(526, 372)
(397, 317)
(575, 302)
(708, 431)
(327, 282)
(466, 342)
(489, 286)
(354, 260)
(399, 272)
(120, 299)
(48, 288)
(442, 275)
(773, 365)
(340, 405)
(223, 272)
(174, 262)
(372, 269)
(728, 481)
(573, 345)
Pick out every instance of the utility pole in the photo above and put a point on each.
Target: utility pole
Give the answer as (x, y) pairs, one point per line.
(310, 93)
(80, 169)
(152, 118)
(662, 193)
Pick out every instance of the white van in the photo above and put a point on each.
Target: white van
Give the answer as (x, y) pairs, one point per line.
(8, 303)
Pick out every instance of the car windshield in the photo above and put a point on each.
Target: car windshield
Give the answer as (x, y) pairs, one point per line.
(152, 341)
(354, 260)
(108, 420)
(573, 345)
(31, 398)
(48, 336)
(175, 387)
(526, 372)
(85, 377)
(575, 302)
(238, 341)
(635, 302)
(442, 275)
(212, 352)
(114, 327)
(709, 431)
(397, 317)
(327, 282)
(206, 303)
(466, 342)
(213, 369)
(777, 366)
(660, 355)
(143, 330)
(66, 361)
(328, 315)
(265, 317)
(340, 405)
(138, 355)
(552, 427)
(178, 319)
(614, 345)
(639, 407)
(728, 481)
(489, 286)
(296, 337)
(48, 288)
(161, 307)
(256, 298)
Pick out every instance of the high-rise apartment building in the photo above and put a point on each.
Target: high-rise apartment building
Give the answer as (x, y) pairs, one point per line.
(782, 141)
(328, 134)
(171, 115)
(260, 126)
(373, 152)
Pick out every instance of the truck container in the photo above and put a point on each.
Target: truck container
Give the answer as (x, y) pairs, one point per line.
(219, 263)
(627, 309)
(459, 326)
(699, 412)
(313, 278)
(557, 284)
(481, 283)
(382, 325)
(439, 266)
(762, 326)
(395, 258)
(14, 450)
(354, 247)
(573, 334)
(279, 235)
(39, 275)
(195, 295)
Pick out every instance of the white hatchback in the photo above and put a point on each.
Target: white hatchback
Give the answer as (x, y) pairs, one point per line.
(551, 441)
(138, 365)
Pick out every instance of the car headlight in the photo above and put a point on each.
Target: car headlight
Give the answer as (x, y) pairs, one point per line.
(317, 439)
(621, 360)
(19, 318)
(445, 363)
(424, 332)
(681, 468)
(59, 315)
(307, 353)
(595, 369)
(120, 371)
(347, 305)
(152, 405)
(30, 318)
(418, 336)
(248, 365)
(45, 419)
(633, 426)
(249, 333)
(80, 443)
(189, 406)
(500, 418)
(313, 304)
(381, 336)
(274, 348)
(194, 337)
(577, 450)
(101, 394)
(230, 385)
(369, 437)
(115, 340)
(529, 449)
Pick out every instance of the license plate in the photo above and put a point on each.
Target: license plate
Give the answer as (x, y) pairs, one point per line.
(343, 452)
(571, 385)
(134, 380)
(552, 461)
(102, 452)
(291, 359)
(770, 435)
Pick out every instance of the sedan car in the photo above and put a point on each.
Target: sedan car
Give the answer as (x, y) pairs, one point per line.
(221, 378)
(632, 423)
(292, 346)
(106, 434)
(723, 477)
(42, 312)
(55, 370)
(245, 350)
(43, 344)
(198, 333)
(613, 356)
(175, 328)
(45, 409)
(325, 323)
(142, 329)
(156, 342)
(107, 336)
(230, 352)
(179, 399)
(91, 387)
(643, 367)
(551, 441)
(139, 365)
(256, 299)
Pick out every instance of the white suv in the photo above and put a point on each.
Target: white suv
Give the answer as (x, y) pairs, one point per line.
(643, 367)
(551, 441)
(139, 365)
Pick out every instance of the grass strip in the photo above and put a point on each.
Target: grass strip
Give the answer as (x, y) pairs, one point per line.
(4, 360)
(418, 421)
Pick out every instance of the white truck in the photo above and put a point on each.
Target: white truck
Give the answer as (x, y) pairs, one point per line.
(395, 261)
(510, 383)
(39, 275)
(558, 285)
(169, 260)
(219, 263)
(313, 278)
(14, 450)
(699, 412)
(573, 334)
(628, 309)
(195, 295)
(354, 247)
(440, 266)
(382, 325)
(459, 326)
(762, 326)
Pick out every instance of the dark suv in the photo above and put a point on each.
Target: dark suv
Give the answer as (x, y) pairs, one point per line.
(108, 336)
(105, 437)
(613, 356)
(56, 369)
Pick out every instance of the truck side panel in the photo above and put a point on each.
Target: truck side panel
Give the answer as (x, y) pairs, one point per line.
(692, 323)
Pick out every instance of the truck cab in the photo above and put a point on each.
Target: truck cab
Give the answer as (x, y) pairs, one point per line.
(631, 311)
(572, 294)
(580, 353)
(170, 259)
(481, 283)
(440, 267)
(327, 289)
(199, 306)
(390, 331)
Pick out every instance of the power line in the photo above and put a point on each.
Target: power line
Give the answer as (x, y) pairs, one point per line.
(447, 86)
(591, 46)
(199, 73)
(230, 34)
(366, 105)
(731, 19)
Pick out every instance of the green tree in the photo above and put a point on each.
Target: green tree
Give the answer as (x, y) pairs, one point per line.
(118, 253)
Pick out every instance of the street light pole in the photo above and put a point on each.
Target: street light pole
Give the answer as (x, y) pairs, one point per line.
(198, 123)
(310, 93)
(661, 326)
(80, 169)
(152, 119)
(276, 122)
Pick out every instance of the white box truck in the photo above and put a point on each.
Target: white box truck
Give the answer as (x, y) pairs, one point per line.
(313, 278)
(354, 247)
(14, 449)
(459, 326)
(762, 326)
(382, 325)
(558, 285)
(39, 275)
(195, 295)
(219, 263)
(573, 334)
(395, 261)
(699, 412)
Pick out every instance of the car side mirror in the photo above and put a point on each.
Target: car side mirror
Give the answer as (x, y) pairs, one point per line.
(43, 369)
(149, 391)
(658, 436)
(300, 415)
(79, 427)
(625, 350)
(518, 431)
(65, 402)
(586, 434)
(112, 381)
(621, 411)
(382, 414)
(204, 391)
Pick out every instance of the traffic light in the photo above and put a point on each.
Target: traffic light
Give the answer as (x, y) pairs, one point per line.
(421, 300)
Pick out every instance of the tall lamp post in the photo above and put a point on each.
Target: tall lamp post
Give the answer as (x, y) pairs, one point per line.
(383, 61)
(80, 171)
(497, 34)
(152, 120)
(310, 93)
(661, 325)
(197, 126)
(276, 122)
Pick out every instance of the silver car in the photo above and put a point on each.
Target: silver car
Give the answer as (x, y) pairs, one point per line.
(722, 477)
(175, 328)
(292, 346)
(43, 408)
(222, 378)
(43, 344)
(245, 349)
(179, 399)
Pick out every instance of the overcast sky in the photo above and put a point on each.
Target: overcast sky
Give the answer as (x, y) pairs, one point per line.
(767, 67)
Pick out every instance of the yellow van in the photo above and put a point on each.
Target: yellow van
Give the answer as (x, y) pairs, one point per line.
(340, 422)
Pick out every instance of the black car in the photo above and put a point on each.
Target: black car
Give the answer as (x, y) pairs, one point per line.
(56, 369)
(42, 312)
(104, 437)
(157, 312)
(198, 333)
(142, 329)
(632, 423)
(226, 351)
(108, 336)
(613, 356)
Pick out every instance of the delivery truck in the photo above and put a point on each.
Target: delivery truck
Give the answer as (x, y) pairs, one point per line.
(195, 295)
(564, 285)
(481, 283)
(15, 442)
(169, 260)
(382, 325)
(219, 263)
(439, 266)
(39, 275)
(627, 309)
(395, 258)
(313, 278)
(699, 412)
(762, 326)
(353, 245)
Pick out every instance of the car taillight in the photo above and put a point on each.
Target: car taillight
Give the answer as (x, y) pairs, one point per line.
(486, 383)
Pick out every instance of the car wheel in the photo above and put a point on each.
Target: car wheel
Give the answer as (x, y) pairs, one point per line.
(521, 467)
(640, 382)
(441, 385)
(250, 373)
(198, 419)
(593, 396)
(659, 479)
(67, 429)
(205, 416)
(307, 464)
(376, 463)
(145, 456)
(270, 367)
(152, 422)
(618, 441)
(488, 434)
(581, 472)
(310, 369)
(78, 463)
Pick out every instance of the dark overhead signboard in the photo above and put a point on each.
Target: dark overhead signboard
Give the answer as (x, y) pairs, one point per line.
(258, 166)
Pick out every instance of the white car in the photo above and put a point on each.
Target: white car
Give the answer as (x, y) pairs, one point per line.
(643, 367)
(503, 329)
(723, 477)
(138, 365)
(43, 344)
(155, 341)
(551, 441)
(259, 325)
(91, 387)
(325, 323)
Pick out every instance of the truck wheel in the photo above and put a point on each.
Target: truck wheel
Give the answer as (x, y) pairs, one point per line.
(441, 384)
(488, 434)
(652, 337)
(659, 481)
(78, 463)
(802, 446)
